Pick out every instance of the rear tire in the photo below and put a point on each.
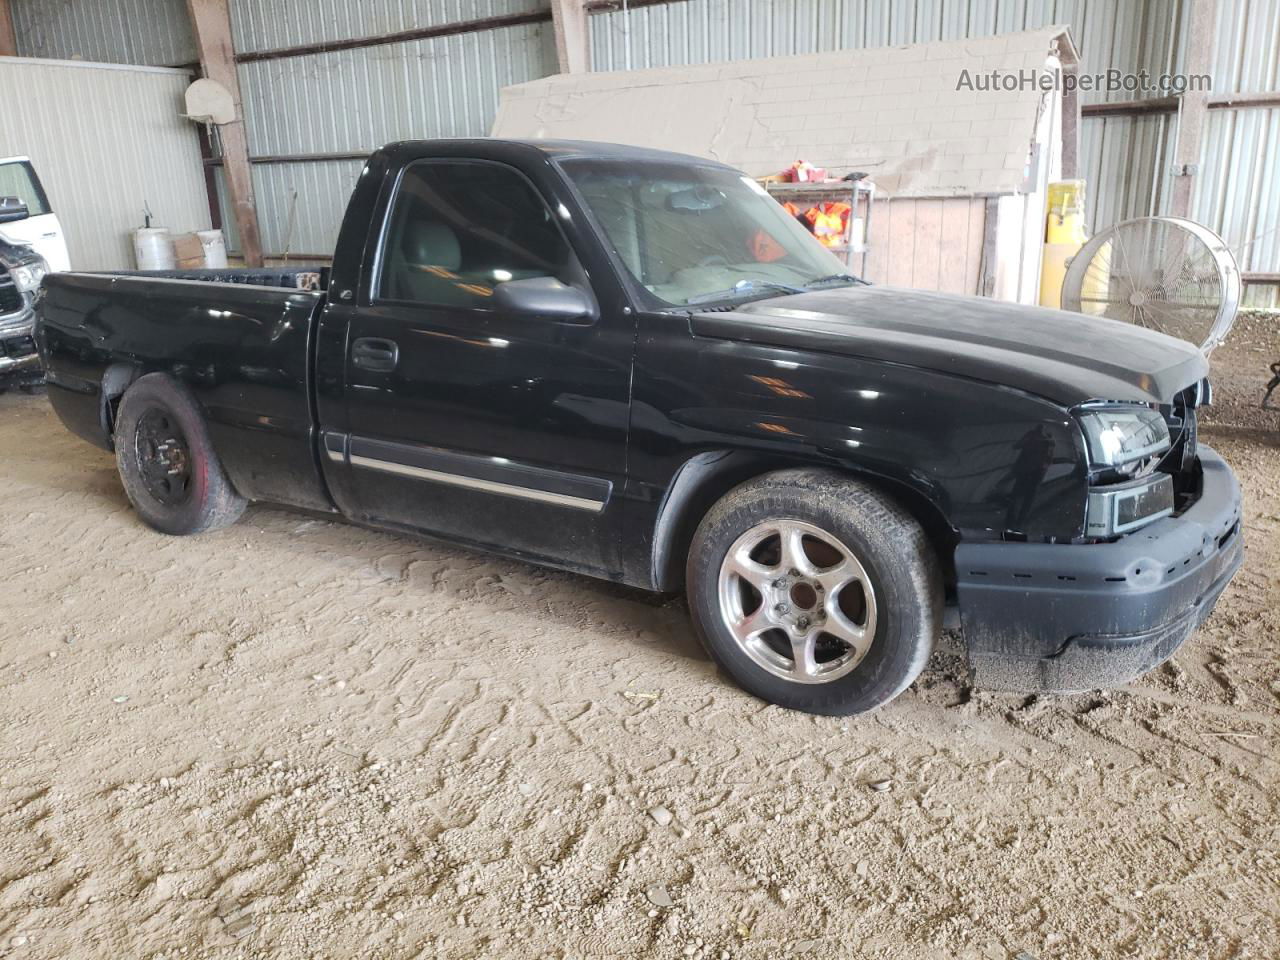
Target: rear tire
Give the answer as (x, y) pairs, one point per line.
(815, 592)
(168, 466)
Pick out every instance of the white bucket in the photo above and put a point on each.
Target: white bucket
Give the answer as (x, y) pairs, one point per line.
(215, 249)
(153, 248)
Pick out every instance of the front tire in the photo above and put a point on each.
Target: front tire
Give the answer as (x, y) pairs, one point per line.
(815, 592)
(168, 466)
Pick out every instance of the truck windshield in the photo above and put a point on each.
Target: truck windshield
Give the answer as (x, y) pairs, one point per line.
(691, 234)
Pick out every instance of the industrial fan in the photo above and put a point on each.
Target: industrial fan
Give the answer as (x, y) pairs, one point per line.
(1164, 273)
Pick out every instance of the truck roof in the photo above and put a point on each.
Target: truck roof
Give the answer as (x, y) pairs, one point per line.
(558, 149)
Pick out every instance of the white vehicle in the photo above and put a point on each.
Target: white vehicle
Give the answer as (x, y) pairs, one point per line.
(39, 227)
(31, 245)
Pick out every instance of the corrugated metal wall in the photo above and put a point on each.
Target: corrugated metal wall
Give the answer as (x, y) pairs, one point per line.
(1246, 51)
(152, 32)
(354, 101)
(1125, 161)
(106, 141)
(300, 205)
(1130, 35)
(360, 99)
(1239, 189)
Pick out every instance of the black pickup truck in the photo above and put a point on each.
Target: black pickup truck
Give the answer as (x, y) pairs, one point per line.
(636, 365)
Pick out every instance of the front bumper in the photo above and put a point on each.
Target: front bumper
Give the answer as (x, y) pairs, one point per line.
(1070, 617)
(19, 360)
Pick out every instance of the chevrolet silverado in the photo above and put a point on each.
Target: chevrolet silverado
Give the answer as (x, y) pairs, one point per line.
(635, 365)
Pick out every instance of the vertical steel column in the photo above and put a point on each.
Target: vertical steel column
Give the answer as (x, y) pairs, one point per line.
(1193, 106)
(573, 38)
(8, 39)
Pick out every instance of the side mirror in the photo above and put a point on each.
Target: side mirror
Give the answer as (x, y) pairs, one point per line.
(12, 208)
(544, 297)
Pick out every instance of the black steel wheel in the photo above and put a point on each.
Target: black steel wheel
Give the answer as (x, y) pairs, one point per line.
(164, 460)
(168, 466)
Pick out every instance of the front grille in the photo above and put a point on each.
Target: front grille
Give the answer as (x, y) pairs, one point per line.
(10, 297)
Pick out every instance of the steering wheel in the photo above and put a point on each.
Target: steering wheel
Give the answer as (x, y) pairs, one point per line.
(714, 260)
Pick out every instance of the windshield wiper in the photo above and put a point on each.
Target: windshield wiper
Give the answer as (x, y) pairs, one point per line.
(745, 286)
(847, 277)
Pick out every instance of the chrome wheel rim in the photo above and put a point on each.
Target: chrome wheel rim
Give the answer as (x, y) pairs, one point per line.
(797, 601)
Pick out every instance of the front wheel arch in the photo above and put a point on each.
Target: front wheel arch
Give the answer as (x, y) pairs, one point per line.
(706, 477)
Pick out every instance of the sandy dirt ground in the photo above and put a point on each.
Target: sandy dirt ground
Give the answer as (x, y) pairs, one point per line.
(296, 738)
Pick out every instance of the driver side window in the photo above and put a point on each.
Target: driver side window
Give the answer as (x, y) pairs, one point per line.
(459, 228)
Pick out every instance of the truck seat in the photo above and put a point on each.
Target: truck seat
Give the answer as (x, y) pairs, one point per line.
(430, 243)
(427, 262)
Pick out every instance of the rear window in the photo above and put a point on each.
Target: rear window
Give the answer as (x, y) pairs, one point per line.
(17, 179)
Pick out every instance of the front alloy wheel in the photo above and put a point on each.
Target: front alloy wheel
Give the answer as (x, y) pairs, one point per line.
(797, 601)
(815, 591)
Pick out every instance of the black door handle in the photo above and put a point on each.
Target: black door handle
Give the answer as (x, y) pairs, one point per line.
(376, 354)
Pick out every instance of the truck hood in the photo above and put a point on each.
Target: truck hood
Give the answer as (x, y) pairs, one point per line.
(1064, 357)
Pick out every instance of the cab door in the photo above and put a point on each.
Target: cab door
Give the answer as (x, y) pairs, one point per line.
(506, 430)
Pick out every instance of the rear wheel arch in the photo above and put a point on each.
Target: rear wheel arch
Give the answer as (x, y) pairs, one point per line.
(707, 477)
(116, 379)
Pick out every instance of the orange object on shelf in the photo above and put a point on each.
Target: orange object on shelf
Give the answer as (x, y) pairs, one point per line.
(829, 222)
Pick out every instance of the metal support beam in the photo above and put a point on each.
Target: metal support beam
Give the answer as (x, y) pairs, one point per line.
(573, 35)
(1246, 101)
(1131, 108)
(1193, 107)
(8, 38)
(296, 158)
(401, 36)
(211, 24)
(457, 28)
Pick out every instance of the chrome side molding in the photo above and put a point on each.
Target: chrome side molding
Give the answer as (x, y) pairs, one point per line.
(496, 475)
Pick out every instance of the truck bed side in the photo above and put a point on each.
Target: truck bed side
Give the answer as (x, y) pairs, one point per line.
(243, 350)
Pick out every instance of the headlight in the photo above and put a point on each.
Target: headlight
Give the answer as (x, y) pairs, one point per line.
(1126, 439)
(28, 276)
